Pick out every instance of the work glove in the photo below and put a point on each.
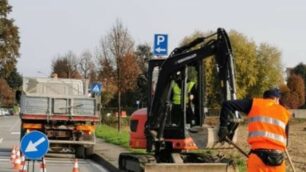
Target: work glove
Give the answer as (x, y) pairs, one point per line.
(222, 133)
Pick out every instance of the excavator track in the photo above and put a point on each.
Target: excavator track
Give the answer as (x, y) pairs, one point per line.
(133, 162)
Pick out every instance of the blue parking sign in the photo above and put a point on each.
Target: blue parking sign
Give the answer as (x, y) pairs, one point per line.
(160, 44)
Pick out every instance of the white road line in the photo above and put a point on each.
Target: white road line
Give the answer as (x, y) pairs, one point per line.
(14, 125)
(15, 132)
(1, 140)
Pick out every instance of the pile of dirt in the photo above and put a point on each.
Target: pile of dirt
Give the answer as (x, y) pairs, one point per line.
(296, 148)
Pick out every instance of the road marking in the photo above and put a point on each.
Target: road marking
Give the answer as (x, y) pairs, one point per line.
(15, 132)
(1, 139)
(14, 125)
(4, 160)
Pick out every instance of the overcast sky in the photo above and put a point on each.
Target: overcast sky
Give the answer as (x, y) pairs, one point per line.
(52, 27)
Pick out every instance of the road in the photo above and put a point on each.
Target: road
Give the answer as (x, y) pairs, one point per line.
(9, 136)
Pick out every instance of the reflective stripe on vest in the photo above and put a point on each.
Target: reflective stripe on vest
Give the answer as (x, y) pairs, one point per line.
(268, 135)
(267, 125)
(268, 120)
(177, 92)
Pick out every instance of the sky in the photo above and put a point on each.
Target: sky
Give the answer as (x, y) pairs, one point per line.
(49, 28)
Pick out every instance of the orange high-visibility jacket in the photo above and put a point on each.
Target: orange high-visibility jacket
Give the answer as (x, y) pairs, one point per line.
(267, 123)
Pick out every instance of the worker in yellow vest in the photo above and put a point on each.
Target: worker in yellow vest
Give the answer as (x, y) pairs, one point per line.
(177, 111)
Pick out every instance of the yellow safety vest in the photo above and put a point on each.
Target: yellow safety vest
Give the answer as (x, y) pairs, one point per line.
(177, 92)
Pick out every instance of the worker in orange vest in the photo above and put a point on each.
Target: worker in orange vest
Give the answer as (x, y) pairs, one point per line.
(267, 127)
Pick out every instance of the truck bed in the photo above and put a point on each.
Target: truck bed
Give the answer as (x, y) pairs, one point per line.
(75, 108)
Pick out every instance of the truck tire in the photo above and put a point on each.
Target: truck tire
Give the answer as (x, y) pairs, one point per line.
(22, 131)
(89, 151)
(80, 152)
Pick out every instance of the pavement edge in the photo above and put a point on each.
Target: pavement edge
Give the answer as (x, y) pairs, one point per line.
(101, 160)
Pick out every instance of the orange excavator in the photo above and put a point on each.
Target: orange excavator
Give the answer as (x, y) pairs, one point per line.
(169, 130)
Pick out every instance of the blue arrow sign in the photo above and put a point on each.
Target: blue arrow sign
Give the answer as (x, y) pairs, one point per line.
(160, 44)
(96, 87)
(34, 145)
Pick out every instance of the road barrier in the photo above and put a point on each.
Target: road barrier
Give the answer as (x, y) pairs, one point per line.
(23, 166)
(43, 166)
(17, 162)
(75, 166)
(13, 155)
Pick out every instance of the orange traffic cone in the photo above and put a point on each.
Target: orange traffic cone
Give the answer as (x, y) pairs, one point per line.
(13, 154)
(43, 167)
(17, 162)
(75, 166)
(23, 166)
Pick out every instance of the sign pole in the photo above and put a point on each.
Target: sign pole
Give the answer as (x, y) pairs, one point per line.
(28, 165)
(34, 146)
(33, 167)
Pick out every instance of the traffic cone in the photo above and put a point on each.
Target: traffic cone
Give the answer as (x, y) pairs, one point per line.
(23, 166)
(13, 154)
(43, 166)
(17, 162)
(75, 166)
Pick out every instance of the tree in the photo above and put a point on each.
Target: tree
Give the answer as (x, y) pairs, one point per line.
(115, 45)
(66, 66)
(130, 73)
(106, 74)
(269, 69)
(294, 96)
(6, 94)
(9, 41)
(244, 52)
(143, 54)
(86, 64)
(14, 80)
(300, 69)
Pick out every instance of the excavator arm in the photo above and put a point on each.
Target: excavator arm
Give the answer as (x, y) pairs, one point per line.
(217, 45)
(168, 126)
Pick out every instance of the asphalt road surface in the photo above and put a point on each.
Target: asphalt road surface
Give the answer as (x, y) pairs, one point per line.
(9, 136)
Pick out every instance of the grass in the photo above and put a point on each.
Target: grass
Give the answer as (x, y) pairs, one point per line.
(111, 135)
(241, 165)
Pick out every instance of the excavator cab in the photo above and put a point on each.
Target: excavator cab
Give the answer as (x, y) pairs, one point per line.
(173, 122)
(183, 103)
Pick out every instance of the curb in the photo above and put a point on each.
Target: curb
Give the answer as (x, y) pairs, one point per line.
(100, 160)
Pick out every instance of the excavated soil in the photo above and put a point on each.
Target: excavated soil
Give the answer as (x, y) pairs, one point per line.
(297, 143)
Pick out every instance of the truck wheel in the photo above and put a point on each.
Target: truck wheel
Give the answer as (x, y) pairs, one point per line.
(22, 131)
(89, 151)
(80, 152)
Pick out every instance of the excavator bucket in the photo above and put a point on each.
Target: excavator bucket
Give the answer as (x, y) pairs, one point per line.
(207, 137)
(194, 167)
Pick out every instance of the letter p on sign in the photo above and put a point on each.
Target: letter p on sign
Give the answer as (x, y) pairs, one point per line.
(160, 39)
(160, 44)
